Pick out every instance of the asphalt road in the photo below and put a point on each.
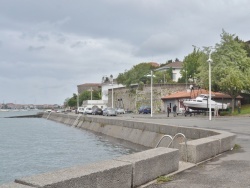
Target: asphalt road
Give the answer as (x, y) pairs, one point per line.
(230, 169)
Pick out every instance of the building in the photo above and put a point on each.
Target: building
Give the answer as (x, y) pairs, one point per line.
(176, 68)
(88, 87)
(178, 98)
(104, 87)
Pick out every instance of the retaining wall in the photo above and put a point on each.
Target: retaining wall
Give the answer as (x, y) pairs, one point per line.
(202, 144)
(123, 172)
(135, 169)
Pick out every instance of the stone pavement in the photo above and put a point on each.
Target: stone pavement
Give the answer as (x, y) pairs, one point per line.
(230, 169)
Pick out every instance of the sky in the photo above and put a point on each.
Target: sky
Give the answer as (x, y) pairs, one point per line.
(48, 47)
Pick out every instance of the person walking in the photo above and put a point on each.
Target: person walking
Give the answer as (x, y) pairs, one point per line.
(174, 110)
(239, 107)
(216, 110)
(169, 109)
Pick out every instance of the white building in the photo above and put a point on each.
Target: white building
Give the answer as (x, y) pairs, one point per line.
(176, 68)
(106, 87)
(104, 91)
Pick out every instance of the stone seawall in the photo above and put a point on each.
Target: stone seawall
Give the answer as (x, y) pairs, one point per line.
(135, 169)
(201, 143)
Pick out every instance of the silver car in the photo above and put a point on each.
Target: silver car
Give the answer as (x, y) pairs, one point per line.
(109, 112)
(120, 111)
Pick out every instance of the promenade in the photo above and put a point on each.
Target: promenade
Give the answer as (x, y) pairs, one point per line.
(230, 169)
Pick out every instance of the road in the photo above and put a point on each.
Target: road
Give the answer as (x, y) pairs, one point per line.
(230, 169)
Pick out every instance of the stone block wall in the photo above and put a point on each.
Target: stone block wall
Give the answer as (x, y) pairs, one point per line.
(133, 98)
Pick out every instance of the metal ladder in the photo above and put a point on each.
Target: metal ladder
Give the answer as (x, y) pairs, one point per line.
(172, 140)
(76, 120)
(49, 115)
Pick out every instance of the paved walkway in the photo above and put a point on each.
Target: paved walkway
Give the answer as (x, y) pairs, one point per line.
(230, 169)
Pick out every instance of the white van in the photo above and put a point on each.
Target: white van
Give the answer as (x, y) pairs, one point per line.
(80, 110)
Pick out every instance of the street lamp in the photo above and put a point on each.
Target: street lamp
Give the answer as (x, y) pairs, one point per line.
(209, 75)
(112, 83)
(151, 93)
(151, 90)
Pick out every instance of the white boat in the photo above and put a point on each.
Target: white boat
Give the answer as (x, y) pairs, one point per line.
(4, 110)
(201, 103)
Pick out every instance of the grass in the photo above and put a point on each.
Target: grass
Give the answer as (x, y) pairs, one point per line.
(245, 110)
(236, 146)
(164, 179)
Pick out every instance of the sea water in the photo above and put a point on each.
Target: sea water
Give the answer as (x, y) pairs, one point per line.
(30, 146)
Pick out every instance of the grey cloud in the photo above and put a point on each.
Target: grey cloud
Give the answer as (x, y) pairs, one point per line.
(82, 41)
(43, 37)
(38, 48)
(77, 44)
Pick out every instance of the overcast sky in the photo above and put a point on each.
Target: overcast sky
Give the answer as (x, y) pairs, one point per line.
(48, 47)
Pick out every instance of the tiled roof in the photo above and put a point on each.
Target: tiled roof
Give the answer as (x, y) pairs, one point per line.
(188, 94)
(154, 64)
(176, 64)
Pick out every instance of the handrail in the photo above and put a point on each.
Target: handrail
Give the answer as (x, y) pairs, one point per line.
(185, 142)
(162, 138)
(172, 140)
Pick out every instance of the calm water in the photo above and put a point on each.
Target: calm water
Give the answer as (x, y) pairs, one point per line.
(31, 146)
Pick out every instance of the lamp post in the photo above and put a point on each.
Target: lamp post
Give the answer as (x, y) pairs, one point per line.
(112, 82)
(209, 76)
(77, 101)
(151, 93)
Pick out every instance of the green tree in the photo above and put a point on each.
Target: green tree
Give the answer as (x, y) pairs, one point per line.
(230, 67)
(135, 75)
(86, 95)
(246, 45)
(72, 102)
(191, 64)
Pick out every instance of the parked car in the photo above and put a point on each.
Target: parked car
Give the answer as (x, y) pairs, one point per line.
(97, 111)
(109, 112)
(88, 110)
(120, 111)
(80, 110)
(144, 110)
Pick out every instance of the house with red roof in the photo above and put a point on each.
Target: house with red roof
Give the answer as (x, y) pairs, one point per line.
(178, 98)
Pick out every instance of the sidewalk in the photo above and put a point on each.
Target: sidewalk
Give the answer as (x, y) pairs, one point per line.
(230, 169)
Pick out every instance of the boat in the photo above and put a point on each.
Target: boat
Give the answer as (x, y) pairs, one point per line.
(4, 110)
(201, 103)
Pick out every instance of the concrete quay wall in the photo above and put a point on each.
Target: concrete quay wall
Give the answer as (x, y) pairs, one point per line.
(123, 172)
(202, 144)
(135, 169)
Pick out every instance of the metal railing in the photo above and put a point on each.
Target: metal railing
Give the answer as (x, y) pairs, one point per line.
(172, 140)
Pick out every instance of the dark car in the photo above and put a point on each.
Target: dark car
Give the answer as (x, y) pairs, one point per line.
(97, 111)
(145, 110)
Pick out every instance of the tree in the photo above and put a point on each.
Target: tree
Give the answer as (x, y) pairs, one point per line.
(72, 102)
(230, 67)
(246, 45)
(135, 75)
(191, 64)
(86, 95)
(163, 76)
